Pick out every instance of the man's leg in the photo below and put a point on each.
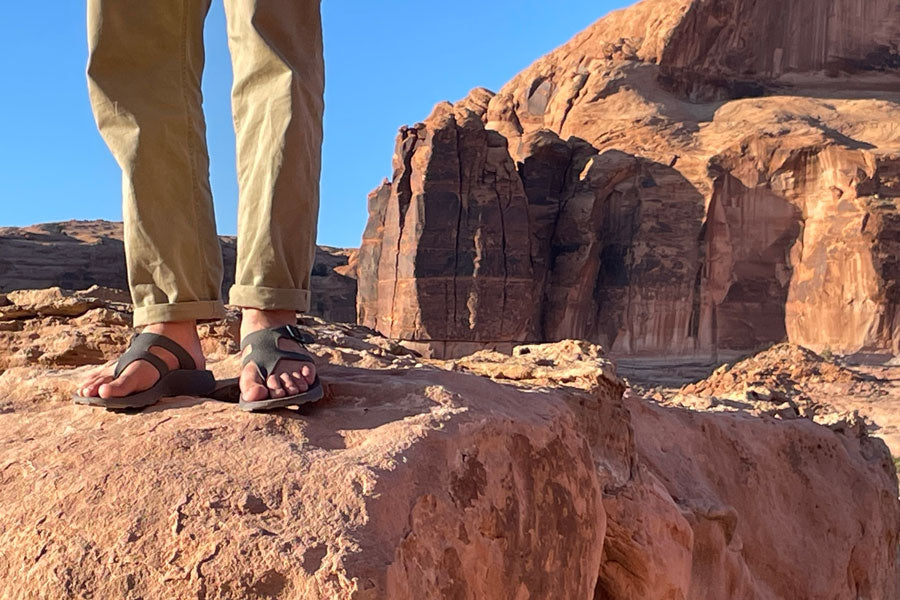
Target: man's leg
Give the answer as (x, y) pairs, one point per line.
(276, 50)
(144, 71)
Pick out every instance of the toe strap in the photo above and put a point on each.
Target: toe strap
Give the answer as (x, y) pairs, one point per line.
(139, 349)
(134, 354)
(264, 350)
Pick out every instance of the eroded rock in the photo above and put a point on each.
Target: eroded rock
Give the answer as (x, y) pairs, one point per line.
(419, 478)
(697, 184)
(76, 255)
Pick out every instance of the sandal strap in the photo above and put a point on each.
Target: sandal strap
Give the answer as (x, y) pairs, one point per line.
(140, 350)
(265, 352)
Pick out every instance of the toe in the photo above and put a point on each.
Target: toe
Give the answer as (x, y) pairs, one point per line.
(116, 388)
(309, 373)
(290, 386)
(299, 381)
(90, 389)
(94, 378)
(252, 388)
(85, 385)
(275, 388)
(138, 376)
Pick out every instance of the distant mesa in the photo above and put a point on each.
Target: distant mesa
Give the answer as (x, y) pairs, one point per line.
(76, 255)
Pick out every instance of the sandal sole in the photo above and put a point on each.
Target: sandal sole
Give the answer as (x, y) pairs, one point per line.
(180, 382)
(228, 390)
(313, 394)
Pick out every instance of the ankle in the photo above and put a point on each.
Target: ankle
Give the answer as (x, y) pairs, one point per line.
(174, 329)
(185, 334)
(254, 319)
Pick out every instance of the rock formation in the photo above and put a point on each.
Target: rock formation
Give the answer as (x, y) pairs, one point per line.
(683, 178)
(451, 257)
(493, 476)
(779, 372)
(76, 255)
(784, 380)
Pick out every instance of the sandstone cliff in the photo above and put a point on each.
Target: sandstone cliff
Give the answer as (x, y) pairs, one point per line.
(683, 178)
(78, 254)
(529, 476)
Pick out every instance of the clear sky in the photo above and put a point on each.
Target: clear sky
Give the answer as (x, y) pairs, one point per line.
(388, 62)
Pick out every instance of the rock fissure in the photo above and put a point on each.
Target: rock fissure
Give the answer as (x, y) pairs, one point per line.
(463, 205)
(505, 269)
(404, 199)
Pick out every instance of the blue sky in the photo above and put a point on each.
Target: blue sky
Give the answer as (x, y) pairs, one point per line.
(387, 64)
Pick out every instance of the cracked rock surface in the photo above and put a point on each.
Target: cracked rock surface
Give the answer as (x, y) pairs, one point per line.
(531, 475)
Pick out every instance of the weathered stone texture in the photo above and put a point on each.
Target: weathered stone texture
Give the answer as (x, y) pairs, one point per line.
(445, 256)
(492, 476)
(701, 177)
(76, 255)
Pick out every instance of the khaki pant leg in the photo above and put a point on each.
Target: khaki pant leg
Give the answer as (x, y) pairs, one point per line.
(277, 101)
(144, 70)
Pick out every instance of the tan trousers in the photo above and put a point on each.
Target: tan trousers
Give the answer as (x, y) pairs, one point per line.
(144, 70)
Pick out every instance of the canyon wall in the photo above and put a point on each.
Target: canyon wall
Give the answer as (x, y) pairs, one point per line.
(687, 178)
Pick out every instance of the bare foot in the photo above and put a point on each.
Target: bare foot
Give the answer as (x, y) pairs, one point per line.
(290, 377)
(141, 375)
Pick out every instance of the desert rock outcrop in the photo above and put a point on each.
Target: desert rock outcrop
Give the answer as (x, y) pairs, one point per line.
(495, 476)
(691, 178)
(76, 255)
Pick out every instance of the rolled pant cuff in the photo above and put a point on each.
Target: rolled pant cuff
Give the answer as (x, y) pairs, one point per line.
(201, 310)
(264, 298)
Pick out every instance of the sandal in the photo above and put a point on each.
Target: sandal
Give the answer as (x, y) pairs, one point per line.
(265, 354)
(186, 380)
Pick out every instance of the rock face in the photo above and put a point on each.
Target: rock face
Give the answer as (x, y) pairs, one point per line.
(450, 266)
(76, 255)
(688, 178)
(528, 476)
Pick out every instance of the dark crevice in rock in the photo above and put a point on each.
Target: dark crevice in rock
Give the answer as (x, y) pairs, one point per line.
(404, 197)
(580, 86)
(459, 218)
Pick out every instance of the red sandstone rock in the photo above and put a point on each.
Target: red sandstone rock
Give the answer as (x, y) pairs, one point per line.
(785, 367)
(490, 477)
(76, 255)
(445, 256)
(701, 177)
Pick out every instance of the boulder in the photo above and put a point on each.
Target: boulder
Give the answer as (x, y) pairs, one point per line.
(516, 476)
